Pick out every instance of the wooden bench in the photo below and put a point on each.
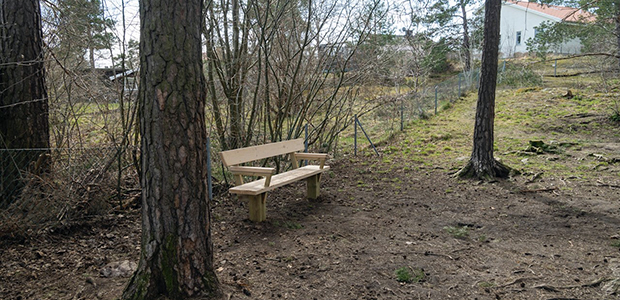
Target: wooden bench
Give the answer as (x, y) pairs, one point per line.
(255, 192)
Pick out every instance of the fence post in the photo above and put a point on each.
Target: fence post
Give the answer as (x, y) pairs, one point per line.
(435, 99)
(367, 137)
(118, 180)
(355, 137)
(305, 162)
(459, 95)
(306, 139)
(555, 68)
(402, 114)
(209, 179)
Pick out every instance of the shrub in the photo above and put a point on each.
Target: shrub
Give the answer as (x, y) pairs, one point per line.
(518, 76)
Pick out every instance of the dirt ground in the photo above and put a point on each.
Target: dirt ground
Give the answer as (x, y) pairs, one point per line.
(550, 233)
(502, 240)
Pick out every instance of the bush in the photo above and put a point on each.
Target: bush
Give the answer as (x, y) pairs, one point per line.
(514, 75)
(81, 185)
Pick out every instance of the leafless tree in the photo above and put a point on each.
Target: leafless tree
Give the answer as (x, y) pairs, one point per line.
(275, 66)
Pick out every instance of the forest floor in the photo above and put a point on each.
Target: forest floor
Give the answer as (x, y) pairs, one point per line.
(398, 226)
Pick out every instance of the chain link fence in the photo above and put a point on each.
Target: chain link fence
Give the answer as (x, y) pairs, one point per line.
(42, 187)
(395, 112)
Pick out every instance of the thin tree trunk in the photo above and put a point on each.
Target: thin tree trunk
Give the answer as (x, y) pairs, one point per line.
(176, 259)
(466, 44)
(617, 21)
(23, 95)
(230, 63)
(211, 83)
(91, 49)
(482, 164)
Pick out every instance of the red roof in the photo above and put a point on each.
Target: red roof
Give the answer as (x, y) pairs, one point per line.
(569, 14)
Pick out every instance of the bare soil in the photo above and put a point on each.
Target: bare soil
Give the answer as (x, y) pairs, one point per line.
(519, 243)
(539, 235)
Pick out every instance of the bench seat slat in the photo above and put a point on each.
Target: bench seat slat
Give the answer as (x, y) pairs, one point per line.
(251, 171)
(243, 155)
(311, 155)
(258, 187)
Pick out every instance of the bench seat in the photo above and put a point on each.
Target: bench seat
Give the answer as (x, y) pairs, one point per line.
(255, 192)
(258, 186)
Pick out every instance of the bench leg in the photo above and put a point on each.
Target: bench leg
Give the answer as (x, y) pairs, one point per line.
(313, 184)
(257, 206)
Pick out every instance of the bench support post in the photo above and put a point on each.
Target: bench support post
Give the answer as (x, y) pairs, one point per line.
(313, 185)
(257, 206)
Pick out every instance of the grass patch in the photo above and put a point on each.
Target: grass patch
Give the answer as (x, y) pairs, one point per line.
(287, 224)
(459, 232)
(486, 284)
(538, 110)
(410, 275)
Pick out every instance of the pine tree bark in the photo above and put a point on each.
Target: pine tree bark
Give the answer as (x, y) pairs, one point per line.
(176, 259)
(23, 95)
(482, 164)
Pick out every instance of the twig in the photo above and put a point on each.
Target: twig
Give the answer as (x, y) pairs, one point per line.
(537, 190)
(552, 288)
(459, 250)
(518, 280)
(600, 183)
(536, 176)
(564, 182)
(574, 74)
(428, 253)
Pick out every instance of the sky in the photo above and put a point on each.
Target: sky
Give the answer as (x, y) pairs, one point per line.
(127, 30)
(399, 12)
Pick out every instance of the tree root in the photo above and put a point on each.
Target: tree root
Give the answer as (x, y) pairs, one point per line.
(486, 172)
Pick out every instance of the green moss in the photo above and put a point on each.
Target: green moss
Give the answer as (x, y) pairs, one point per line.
(137, 287)
(211, 285)
(169, 262)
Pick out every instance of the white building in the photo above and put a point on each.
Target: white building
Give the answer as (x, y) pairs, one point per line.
(519, 20)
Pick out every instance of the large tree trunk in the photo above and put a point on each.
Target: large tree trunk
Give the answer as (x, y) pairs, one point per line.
(482, 164)
(176, 259)
(23, 96)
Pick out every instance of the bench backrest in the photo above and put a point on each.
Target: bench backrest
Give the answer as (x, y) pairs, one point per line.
(243, 155)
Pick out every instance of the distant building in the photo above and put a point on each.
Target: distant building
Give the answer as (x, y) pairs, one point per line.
(519, 20)
(128, 78)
